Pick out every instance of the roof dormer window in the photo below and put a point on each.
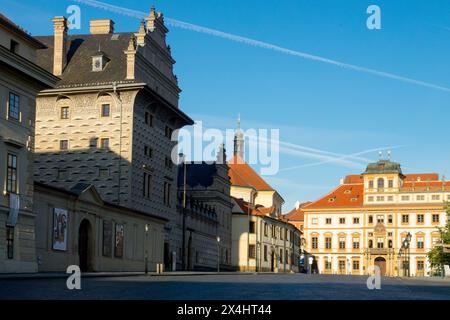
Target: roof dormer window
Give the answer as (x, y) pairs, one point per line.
(99, 61)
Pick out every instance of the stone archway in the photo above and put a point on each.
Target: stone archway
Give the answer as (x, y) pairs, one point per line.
(85, 249)
(381, 263)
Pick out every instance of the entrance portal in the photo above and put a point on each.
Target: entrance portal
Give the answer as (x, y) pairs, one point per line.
(84, 246)
(381, 263)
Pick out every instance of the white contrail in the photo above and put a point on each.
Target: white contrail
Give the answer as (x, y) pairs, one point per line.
(260, 44)
(340, 158)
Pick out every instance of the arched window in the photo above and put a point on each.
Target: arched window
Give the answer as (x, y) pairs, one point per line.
(380, 183)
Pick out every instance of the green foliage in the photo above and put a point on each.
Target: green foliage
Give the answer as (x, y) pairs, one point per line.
(436, 256)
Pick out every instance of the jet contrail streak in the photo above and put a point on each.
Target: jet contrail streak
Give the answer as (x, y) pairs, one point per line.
(260, 44)
(340, 158)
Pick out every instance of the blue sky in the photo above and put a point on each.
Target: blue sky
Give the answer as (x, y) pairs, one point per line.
(315, 105)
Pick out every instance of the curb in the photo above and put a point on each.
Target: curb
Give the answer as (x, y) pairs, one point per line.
(49, 276)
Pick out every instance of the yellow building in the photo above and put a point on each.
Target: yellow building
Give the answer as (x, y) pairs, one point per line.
(262, 239)
(380, 218)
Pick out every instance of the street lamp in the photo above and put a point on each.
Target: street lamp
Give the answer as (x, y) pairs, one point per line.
(408, 245)
(146, 249)
(183, 212)
(218, 254)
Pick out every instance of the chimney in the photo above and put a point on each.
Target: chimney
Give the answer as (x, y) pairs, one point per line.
(131, 58)
(59, 50)
(104, 26)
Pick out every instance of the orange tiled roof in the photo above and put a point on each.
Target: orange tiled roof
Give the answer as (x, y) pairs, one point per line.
(241, 174)
(297, 214)
(346, 195)
(350, 194)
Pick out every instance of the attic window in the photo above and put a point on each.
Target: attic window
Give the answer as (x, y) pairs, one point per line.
(354, 199)
(348, 191)
(99, 62)
(332, 199)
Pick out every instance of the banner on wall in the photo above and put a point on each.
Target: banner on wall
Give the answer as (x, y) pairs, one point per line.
(60, 224)
(14, 206)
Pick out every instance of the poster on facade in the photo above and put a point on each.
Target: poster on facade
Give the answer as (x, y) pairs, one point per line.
(118, 249)
(107, 238)
(60, 224)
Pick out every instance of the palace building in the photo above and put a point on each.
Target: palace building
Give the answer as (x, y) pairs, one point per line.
(109, 123)
(382, 218)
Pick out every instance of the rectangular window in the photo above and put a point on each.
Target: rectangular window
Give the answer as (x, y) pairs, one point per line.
(265, 253)
(355, 243)
(420, 243)
(63, 145)
(380, 198)
(107, 238)
(14, 106)
(10, 242)
(370, 184)
(11, 173)
(341, 243)
(420, 198)
(342, 266)
(252, 227)
(435, 218)
(436, 197)
(380, 243)
(168, 132)
(314, 221)
(420, 265)
(370, 199)
(104, 143)
(405, 198)
(328, 221)
(106, 110)
(390, 183)
(390, 198)
(356, 265)
(149, 119)
(148, 151)
(252, 251)
(167, 188)
(405, 218)
(355, 220)
(380, 219)
(341, 220)
(65, 113)
(314, 242)
(328, 243)
(420, 218)
(13, 46)
(327, 265)
(390, 219)
(370, 219)
(266, 230)
(93, 143)
(281, 255)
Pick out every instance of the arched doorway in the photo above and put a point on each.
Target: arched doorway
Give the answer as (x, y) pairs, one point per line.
(381, 263)
(84, 246)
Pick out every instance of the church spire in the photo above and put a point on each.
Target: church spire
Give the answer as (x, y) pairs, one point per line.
(239, 140)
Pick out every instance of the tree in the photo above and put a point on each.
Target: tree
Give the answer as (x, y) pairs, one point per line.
(437, 256)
